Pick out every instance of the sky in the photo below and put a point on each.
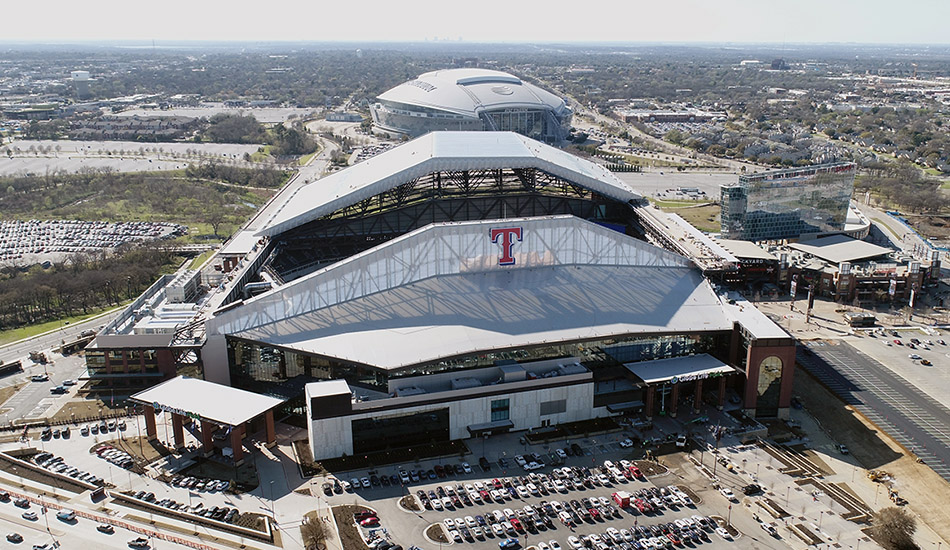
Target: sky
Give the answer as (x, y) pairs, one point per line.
(730, 21)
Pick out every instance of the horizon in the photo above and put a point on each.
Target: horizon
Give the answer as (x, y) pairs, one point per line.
(867, 22)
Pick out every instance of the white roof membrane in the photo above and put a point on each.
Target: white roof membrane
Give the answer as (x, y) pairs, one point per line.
(433, 152)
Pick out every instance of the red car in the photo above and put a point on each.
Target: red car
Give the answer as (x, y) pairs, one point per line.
(635, 471)
(497, 483)
(517, 525)
(898, 342)
(369, 522)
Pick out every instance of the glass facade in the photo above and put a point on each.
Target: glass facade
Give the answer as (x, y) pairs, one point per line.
(786, 204)
(414, 120)
(254, 366)
(400, 431)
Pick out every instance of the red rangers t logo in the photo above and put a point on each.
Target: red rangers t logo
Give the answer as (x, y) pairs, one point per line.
(507, 243)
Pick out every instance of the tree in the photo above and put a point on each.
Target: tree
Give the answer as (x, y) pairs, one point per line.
(893, 528)
(313, 532)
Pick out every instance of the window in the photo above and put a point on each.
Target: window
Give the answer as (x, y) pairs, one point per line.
(499, 410)
(553, 407)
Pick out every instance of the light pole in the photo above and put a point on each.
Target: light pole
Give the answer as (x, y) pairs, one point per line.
(821, 514)
(729, 518)
(787, 489)
(273, 505)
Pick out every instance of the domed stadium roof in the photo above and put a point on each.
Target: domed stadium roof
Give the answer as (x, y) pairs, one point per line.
(470, 91)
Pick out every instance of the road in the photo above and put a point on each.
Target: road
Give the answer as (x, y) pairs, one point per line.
(21, 349)
(80, 533)
(912, 418)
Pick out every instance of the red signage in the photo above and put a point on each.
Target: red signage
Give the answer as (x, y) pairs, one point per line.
(508, 236)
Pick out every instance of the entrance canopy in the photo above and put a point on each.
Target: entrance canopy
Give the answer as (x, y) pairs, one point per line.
(680, 369)
(203, 400)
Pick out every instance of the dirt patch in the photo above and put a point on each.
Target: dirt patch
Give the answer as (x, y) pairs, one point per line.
(7, 392)
(39, 476)
(926, 492)
(651, 468)
(691, 494)
(350, 537)
(409, 502)
(85, 410)
(436, 533)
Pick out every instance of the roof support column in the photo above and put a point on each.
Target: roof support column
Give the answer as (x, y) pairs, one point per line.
(722, 392)
(178, 430)
(150, 430)
(674, 399)
(207, 441)
(237, 444)
(651, 396)
(698, 395)
(270, 434)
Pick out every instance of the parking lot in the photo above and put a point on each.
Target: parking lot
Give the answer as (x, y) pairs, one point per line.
(33, 239)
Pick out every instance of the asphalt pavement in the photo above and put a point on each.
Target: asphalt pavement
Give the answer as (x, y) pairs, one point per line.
(912, 418)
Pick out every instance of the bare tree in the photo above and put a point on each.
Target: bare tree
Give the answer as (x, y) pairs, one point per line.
(894, 528)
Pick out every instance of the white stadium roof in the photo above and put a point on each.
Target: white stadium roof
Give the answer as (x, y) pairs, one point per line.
(469, 91)
(840, 248)
(440, 292)
(439, 151)
(210, 401)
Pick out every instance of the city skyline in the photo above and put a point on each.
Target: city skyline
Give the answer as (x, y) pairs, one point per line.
(691, 21)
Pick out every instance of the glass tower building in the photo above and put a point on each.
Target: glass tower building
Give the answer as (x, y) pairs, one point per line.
(786, 204)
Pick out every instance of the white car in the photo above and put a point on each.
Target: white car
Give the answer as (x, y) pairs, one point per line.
(626, 443)
(470, 521)
(449, 523)
(603, 479)
(559, 486)
(727, 492)
(554, 545)
(497, 530)
(914, 356)
(562, 455)
(543, 546)
(574, 542)
(723, 533)
(466, 468)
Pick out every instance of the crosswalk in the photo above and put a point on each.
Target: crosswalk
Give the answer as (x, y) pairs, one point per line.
(911, 417)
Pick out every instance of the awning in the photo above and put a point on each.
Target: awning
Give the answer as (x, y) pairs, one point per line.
(626, 406)
(680, 369)
(203, 400)
(498, 425)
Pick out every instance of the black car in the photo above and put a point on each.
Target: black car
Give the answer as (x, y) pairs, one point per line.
(484, 463)
(752, 489)
(576, 449)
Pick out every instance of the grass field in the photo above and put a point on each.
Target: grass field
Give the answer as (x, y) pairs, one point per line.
(13, 335)
(704, 218)
(676, 204)
(196, 263)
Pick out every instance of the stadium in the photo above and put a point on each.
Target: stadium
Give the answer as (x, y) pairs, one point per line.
(471, 100)
(467, 283)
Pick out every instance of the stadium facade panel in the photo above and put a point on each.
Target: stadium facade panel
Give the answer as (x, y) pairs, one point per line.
(471, 100)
